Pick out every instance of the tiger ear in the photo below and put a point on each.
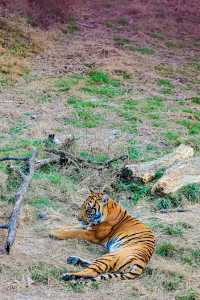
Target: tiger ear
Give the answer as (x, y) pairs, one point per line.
(105, 198)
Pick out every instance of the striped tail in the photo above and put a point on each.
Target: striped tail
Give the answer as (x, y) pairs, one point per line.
(135, 271)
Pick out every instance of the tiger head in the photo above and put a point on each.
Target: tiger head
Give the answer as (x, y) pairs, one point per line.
(94, 209)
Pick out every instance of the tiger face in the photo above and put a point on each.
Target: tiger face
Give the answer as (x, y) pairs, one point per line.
(94, 209)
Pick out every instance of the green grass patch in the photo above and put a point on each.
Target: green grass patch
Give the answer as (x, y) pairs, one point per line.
(176, 229)
(192, 126)
(85, 104)
(191, 257)
(48, 173)
(71, 26)
(172, 137)
(173, 282)
(167, 202)
(4, 82)
(18, 127)
(85, 119)
(44, 98)
(192, 192)
(108, 90)
(165, 249)
(99, 76)
(121, 41)
(173, 230)
(137, 190)
(66, 83)
(133, 151)
(42, 272)
(99, 83)
(188, 295)
(41, 202)
(98, 158)
(126, 43)
(130, 104)
(158, 35)
(19, 49)
(144, 50)
(166, 86)
(152, 104)
(130, 119)
(196, 99)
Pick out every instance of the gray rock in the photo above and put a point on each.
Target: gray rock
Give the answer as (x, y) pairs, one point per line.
(43, 215)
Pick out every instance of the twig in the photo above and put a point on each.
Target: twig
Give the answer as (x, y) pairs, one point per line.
(3, 226)
(122, 157)
(166, 211)
(14, 158)
(12, 224)
(66, 156)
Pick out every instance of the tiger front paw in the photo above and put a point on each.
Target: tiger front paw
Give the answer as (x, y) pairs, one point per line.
(69, 277)
(56, 234)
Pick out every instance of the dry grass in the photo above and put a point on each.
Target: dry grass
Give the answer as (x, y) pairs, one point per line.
(37, 105)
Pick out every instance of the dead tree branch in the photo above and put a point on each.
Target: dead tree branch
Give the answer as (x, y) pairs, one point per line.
(14, 158)
(12, 224)
(79, 162)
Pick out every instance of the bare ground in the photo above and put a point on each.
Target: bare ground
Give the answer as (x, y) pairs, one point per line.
(28, 272)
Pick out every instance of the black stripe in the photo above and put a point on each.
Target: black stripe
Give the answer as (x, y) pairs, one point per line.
(98, 261)
(138, 266)
(124, 265)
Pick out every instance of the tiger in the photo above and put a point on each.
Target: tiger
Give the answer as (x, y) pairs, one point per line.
(103, 221)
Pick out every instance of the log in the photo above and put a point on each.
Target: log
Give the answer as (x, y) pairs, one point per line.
(146, 171)
(177, 176)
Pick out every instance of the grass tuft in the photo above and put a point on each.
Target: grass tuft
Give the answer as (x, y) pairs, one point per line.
(42, 273)
(192, 192)
(189, 295)
(196, 100)
(85, 119)
(172, 283)
(165, 249)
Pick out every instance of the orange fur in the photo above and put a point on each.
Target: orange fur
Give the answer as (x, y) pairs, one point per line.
(130, 243)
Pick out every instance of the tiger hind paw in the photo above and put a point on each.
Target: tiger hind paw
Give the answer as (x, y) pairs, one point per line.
(73, 260)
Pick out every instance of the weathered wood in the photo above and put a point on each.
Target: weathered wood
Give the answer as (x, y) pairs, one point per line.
(177, 176)
(12, 224)
(47, 161)
(146, 171)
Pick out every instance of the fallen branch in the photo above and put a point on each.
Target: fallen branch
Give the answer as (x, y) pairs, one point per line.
(177, 176)
(12, 224)
(80, 162)
(14, 158)
(146, 171)
(3, 226)
(173, 210)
